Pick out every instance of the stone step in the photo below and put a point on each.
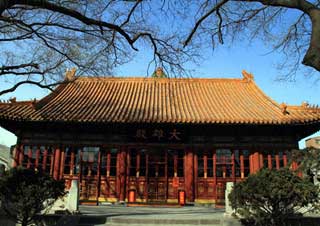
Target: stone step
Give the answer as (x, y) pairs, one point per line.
(221, 223)
(138, 221)
(162, 221)
(113, 224)
(153, 216)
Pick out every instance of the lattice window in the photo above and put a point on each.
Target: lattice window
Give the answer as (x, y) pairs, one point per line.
(113, 162)
(143, 161)
(180, 163)
(133, 163)
(201, 169)
(246, 162)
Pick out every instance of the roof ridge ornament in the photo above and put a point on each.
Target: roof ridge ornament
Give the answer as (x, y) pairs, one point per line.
(13, 100)
(305, 104)
(159, 73)
(284, 107)
(247, 77)
(311, 107)
(70, 74)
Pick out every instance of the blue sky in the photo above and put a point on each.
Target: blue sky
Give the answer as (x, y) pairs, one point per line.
(224, 61)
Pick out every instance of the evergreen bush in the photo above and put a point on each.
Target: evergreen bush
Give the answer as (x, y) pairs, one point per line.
(24, 193)
(270, 197)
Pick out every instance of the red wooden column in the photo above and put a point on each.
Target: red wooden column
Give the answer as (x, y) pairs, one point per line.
(72, 157)
(277, 161)
(44, 160)
(146, 185)
(37, 157)
(128, 173)
(52, 153)
(254, 162)
(56, 166)
(205, 166)
(175, 165)
(195, 173)
(189, 177)
(214, 167)
(118, 184)
(233, 169)
(62, 160)
(17, 151)
(21, 155)
(80, 165)
(251, 164)
(138, 167)
(121, 178)
(98, 176)
(108, 163)
(260, 161)
(269, 161)
(29, 163)
(294, 167)
(242, 164)
(214, 157)
(285, 159)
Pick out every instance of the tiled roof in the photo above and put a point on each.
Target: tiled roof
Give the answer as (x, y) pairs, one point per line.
(160, 100)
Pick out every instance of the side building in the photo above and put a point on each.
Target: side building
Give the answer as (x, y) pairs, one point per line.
(5, 156)
(313, 142)
(149, 138)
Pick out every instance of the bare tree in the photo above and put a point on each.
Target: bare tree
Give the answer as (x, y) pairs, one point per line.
(292, 27)
(40, 39)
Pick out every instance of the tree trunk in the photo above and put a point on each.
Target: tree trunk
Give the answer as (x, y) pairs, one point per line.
(24, 223)
(312, 57)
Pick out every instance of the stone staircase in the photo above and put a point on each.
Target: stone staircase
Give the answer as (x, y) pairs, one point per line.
(216, 219)
(147, 216)
(154, 221)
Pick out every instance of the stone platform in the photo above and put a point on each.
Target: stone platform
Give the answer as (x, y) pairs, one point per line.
(147, 216)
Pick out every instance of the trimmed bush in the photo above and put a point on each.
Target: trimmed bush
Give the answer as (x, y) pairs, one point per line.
(24, 193)
(269, 197)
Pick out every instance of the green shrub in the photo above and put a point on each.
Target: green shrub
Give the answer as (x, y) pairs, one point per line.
(309, 161)
(269, 197)
(24, 193)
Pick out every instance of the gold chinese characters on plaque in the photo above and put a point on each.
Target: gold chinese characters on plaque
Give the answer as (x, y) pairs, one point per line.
(158, 134)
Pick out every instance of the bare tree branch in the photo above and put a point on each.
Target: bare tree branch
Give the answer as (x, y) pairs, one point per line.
(131, 12)
(205, 16)
(309, 8)
(39, 84)
(7, 68)
(97, 36)
(74, 14)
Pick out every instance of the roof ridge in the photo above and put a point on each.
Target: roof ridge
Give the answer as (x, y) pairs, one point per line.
(22, 102)
(275, 103)
(305, 107)
(160, 100)
(43, 101)
(150, 79)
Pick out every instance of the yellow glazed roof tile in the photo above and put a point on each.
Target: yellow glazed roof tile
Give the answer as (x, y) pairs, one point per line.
(159, 100)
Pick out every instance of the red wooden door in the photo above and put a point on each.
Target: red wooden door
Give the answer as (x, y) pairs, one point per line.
(89, 171)
(157, 179)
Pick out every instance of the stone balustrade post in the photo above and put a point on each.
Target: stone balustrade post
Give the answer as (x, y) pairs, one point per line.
(73, 197)
(228, 208)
